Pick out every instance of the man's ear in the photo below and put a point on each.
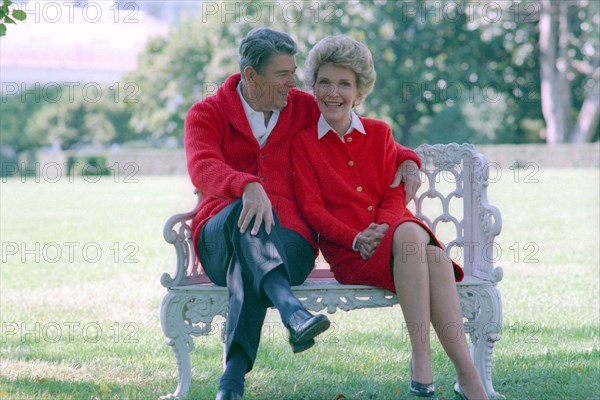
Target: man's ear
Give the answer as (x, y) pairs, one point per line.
(249, 74)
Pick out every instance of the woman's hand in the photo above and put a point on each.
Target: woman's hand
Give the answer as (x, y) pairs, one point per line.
(368, 240)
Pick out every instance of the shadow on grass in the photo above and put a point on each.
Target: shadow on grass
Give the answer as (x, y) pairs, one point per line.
(25, 388)
(45, 371)
(56, 389)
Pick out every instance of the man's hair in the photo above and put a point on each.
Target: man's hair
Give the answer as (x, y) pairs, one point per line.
(343, 51)
(260, 45)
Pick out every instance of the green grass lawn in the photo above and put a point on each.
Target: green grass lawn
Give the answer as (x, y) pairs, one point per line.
(80, 298)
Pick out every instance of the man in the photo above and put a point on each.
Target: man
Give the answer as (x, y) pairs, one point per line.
(249, 233)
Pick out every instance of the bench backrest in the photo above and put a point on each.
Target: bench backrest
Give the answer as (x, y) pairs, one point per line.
(452, 201)
(454, 193)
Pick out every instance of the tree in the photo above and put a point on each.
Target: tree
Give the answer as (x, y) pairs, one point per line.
(436, 59)
(570, 56)
(441, 62)
(9, 15)
(17, 108)
(75, 119)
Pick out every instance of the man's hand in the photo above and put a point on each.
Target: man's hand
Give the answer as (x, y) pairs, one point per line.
(369, 239)
(408, 172)
(256, 204)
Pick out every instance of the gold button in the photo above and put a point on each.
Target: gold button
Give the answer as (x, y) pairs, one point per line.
(359, 189)
(351, 163)
(349, 140)
(370, 208)
(262, 156)
(262, 178)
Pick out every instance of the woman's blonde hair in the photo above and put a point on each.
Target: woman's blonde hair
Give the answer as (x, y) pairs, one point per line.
(343, 51)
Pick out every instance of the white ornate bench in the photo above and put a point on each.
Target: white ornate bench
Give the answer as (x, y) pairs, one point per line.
(452, 199)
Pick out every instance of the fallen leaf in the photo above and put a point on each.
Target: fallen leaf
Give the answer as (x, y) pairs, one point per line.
(104, 389)
(339, 396)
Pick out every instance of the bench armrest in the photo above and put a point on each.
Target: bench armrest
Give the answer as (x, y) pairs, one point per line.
(178, 232)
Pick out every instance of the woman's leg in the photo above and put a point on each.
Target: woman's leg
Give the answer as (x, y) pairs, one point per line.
(411, 280)
(446, 317)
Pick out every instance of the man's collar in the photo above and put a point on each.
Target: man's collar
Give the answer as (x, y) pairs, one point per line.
(323, 126)
(247, 108)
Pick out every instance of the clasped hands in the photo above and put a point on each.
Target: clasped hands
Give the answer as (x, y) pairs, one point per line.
(368, 240)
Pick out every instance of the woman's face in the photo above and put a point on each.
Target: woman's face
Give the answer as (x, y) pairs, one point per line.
(336, 93)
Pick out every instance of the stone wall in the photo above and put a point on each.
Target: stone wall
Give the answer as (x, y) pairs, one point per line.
(150, 161)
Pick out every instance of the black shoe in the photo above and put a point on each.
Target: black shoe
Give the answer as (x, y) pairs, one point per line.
(303, 326)
(459, 392)
(420, 389)
(224, 394)
(300, 347)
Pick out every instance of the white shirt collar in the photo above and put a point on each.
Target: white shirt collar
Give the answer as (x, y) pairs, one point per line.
(256, 119)
(323, 126)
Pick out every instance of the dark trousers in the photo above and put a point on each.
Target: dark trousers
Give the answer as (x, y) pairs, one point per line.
(241, 261)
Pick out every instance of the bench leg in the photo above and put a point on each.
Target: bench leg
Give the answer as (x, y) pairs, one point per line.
(171, 320)
(482, 306)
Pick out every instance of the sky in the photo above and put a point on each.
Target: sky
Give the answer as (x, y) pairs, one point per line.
(72, 41)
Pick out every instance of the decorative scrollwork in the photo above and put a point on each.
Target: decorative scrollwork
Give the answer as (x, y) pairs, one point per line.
(469, 304)
(178, 232)
(201, 311)
(482, 306)
(444, 156)
(339, 297)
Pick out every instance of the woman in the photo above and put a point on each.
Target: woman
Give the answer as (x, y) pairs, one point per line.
(367, 234)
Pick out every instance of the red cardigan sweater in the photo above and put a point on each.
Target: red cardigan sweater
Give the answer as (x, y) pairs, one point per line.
(223, 154)
(342, 187)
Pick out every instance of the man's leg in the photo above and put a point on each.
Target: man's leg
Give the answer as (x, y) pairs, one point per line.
(224, 267)
(246, 311)
(298, 258)
(263, 264)
(244, 326)
(256, 270)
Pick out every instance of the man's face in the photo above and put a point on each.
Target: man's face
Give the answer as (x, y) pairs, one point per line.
(269, 90)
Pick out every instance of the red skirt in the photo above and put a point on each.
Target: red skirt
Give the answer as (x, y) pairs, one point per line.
(349, 268)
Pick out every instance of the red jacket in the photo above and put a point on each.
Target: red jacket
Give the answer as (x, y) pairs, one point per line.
(343, 187)
(223, 154)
